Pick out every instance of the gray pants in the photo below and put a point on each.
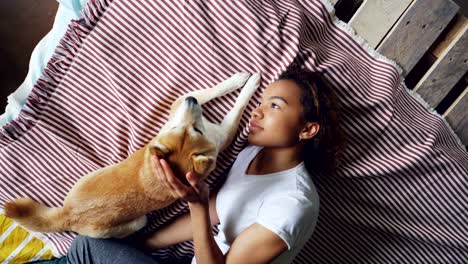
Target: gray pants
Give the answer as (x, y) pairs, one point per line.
(86, 250)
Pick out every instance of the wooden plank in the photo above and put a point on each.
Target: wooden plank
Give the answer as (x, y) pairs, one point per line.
(374, 18)
(457, 117)
(416, 30)
(448, 69)
(457, 25)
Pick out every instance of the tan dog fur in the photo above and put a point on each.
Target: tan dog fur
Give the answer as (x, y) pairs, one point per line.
(113, 201)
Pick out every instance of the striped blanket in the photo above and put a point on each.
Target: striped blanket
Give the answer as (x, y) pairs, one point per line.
(400, 192)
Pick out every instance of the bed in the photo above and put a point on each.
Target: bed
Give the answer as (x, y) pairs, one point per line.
(400, 193)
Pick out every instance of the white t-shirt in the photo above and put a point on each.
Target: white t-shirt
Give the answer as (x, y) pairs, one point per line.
(284, 202)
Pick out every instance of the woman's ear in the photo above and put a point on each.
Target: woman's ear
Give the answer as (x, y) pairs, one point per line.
(309, 131)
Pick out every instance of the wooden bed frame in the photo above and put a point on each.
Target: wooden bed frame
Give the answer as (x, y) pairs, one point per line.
(428, 40)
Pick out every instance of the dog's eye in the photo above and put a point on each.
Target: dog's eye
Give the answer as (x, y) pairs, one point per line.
(198, 130)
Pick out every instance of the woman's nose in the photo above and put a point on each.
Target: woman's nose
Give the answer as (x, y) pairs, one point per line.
(257, 113)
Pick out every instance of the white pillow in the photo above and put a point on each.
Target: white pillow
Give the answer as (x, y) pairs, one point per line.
(67, 10)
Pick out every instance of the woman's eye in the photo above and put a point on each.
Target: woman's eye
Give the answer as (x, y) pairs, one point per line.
(275, 106)
(259, 104)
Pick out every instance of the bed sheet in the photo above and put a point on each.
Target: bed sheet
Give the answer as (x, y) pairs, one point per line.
(399, 195)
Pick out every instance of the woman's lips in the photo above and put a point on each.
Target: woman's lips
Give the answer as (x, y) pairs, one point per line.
(254, 126)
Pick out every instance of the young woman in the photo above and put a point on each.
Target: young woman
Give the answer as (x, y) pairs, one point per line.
(268, 207)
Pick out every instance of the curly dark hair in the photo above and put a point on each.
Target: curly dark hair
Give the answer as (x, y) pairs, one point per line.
(321, 153)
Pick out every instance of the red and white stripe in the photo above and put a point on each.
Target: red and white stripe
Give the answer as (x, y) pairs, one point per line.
(399, 195)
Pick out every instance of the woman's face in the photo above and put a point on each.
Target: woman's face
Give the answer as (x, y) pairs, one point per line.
(278, 119)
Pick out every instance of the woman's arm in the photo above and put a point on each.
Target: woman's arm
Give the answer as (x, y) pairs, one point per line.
(206, 248)
(256, 244)
(180, 229)
(175, 232)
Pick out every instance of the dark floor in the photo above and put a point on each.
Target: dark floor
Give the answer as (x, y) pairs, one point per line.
(23, 23)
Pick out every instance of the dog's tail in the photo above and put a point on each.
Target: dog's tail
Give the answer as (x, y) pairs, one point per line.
(37, 217)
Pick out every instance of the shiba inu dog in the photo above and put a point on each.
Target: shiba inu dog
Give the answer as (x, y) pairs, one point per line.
(113, 201)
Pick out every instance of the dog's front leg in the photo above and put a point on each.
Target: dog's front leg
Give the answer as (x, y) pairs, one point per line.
(228, 127)
(203, 96)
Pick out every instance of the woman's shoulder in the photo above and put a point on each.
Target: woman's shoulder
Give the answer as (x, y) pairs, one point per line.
(305, 185)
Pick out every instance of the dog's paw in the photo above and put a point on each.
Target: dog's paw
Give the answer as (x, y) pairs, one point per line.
(251, 86)
(254, 81)
(238, 80)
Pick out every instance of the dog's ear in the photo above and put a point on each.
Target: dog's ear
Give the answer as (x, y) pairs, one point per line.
(203, 164)
(160, 151)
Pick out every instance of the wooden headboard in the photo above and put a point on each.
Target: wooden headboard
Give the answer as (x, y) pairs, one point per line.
(428, 40)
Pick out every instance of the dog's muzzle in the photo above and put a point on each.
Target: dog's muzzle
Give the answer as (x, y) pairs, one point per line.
(191, 100)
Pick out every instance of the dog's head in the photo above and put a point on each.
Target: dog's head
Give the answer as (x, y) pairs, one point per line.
(183, 143)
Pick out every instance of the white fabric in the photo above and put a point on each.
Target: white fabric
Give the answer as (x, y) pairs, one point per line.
(285, 202)
(67, 10)
(74, 5)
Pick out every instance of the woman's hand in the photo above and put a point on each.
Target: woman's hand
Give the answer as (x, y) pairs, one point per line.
(197, 193)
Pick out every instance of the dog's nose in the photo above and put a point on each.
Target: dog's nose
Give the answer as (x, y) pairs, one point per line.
(191, 100)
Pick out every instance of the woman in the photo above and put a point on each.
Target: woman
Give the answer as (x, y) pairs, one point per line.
(268, 207)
